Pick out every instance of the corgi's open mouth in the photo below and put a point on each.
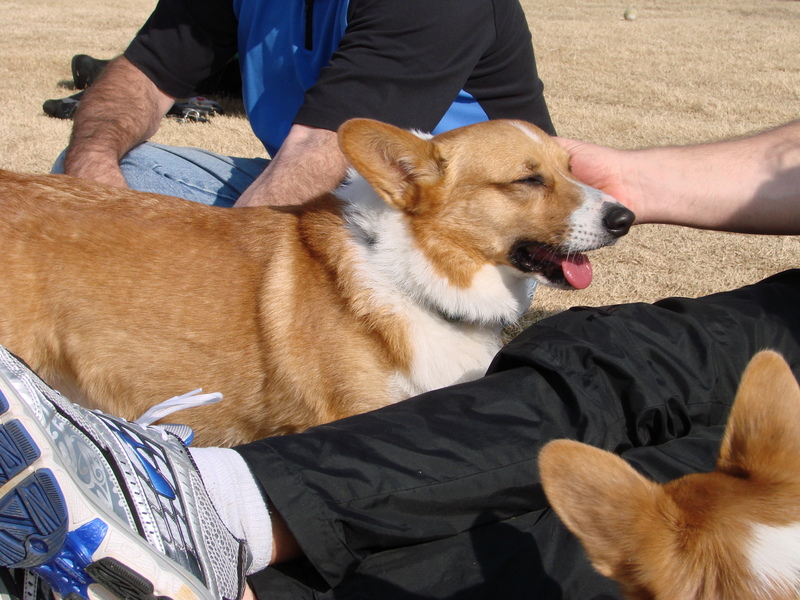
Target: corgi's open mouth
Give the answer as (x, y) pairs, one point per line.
(568, 270)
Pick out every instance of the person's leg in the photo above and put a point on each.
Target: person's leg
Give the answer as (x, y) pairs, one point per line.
(189, 173)
(435, 497)
(438, 496)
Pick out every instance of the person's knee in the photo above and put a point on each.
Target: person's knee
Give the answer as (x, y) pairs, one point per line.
(190, 173)
(151, 168)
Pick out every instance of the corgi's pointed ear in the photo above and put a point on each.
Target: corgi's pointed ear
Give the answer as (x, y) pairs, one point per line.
(599, 497)
(764, 426)
(396, 162)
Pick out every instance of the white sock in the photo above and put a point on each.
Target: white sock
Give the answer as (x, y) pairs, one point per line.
(238, 500)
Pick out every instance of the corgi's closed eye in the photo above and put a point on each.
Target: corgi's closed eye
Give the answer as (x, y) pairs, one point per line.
(533, 180)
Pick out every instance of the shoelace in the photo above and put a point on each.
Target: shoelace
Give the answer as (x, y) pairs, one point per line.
(191, 399)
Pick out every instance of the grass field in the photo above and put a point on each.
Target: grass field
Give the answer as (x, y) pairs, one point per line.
(684, 71)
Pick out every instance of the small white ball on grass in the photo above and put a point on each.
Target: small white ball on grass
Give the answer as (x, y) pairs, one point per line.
(630, 14)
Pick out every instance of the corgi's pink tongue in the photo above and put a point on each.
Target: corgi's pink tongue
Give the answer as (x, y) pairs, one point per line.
(577, 270)
(576, 267)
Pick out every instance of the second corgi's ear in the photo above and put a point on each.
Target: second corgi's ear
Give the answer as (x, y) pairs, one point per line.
(599, 497)
(396, 162)
(763, 429)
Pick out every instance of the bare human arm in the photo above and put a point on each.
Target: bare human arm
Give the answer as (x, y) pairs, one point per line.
(121, 109)
(124, 108)
(749, 184)
(309, 163)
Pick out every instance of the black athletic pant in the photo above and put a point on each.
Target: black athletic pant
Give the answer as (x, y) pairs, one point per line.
(439, 496)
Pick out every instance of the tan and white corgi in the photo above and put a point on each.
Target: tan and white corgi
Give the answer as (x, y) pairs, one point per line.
(398, 283)
(732, 534)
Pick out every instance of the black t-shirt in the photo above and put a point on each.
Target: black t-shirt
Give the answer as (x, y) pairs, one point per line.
(400, 61)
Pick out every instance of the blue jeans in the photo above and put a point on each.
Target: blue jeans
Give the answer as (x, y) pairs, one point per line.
(190, 173)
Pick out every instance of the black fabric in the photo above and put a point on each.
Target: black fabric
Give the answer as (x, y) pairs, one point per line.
(185, 44)
(405, 61)
(400, 61)
(438, 496)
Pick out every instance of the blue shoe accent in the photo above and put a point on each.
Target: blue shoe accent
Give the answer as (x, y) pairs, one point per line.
(17, 450)
(66, 571)
(33, 521)
(157, 480)
(3, 403)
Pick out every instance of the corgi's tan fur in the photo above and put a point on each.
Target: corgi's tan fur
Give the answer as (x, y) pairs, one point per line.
(398, 283)
(732, 534)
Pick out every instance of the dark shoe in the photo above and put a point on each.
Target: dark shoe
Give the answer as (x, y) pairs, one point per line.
(85, 70)
(63, 107)
(198, 109)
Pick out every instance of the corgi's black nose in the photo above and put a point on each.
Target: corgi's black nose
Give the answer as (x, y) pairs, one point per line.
(618, 220)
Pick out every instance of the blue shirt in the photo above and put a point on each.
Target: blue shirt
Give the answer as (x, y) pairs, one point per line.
(282, 50)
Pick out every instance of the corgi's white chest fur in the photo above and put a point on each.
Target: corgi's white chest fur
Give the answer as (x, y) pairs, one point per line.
(443, 353)
(774, 554)
(454, 331)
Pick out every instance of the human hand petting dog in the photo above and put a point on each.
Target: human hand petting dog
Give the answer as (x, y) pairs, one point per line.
(602, 168)
(693, 185)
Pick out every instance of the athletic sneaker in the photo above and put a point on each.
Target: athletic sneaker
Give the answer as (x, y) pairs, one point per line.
(87, 499)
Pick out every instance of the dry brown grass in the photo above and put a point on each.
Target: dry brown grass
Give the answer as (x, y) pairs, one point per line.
(684, 71)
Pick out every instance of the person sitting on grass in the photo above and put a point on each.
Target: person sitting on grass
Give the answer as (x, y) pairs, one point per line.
(437, 496)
